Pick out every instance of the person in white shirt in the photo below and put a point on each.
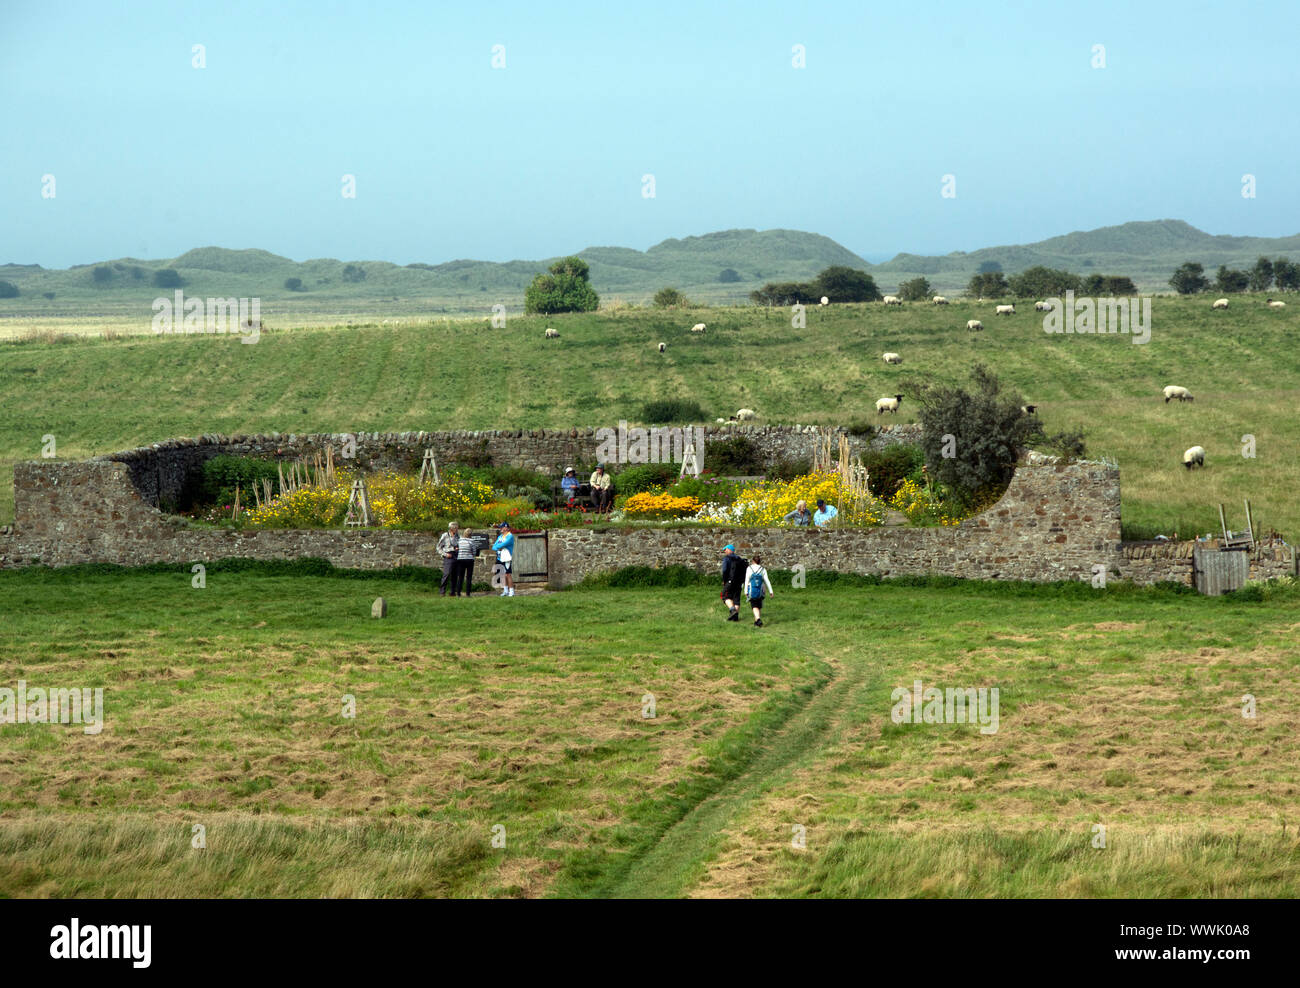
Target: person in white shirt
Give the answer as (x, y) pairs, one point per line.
(755, 580)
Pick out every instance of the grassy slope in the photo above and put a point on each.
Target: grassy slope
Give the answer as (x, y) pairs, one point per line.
(1243, 365)
(1118, 707)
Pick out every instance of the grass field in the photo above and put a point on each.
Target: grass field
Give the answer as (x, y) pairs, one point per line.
(1243, 365)
(223, 709)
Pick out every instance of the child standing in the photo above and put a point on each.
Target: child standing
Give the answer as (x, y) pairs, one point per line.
(755, 581)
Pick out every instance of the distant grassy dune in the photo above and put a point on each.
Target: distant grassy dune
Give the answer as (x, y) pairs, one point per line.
(1243, 365)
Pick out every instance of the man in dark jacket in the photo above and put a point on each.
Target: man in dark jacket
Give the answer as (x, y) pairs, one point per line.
(733, 580)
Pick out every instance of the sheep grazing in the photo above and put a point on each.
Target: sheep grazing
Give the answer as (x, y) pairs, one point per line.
(745, 414)
(698, 328)
(1042, 306)
(1004, 310)
(1029, 409)
(1194, 457)
(1273, 304)
(939, 300)
(974, 324)
(892, 358)
(893, 300)
(1174, 391)
(888, 405)
(824, 301)
(1220, 303)
(552, 334)
(663, 347)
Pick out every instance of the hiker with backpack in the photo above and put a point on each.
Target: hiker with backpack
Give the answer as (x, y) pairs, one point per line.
(733, 581)
(755, 580)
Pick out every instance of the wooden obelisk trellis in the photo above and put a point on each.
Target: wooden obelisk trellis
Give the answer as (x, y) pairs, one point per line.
(358, 505)
(690, 461)
(429, 469)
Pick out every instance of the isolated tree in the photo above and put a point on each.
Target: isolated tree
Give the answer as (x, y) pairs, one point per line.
(1286, 275)
(354, 272)
(728, 276)
(1229, 281)
(990, 284)
(1189, 279)
(669, 298)
(916, 290)
(565, 289)
(840, 283)
(167, 278)
(101, 274)
(1261, 275)
(1040, 281)
(786, 293)
(8, 289)
(294, 284)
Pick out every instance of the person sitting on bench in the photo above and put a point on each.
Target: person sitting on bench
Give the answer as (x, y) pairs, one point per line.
(602, 490)
(569, 486)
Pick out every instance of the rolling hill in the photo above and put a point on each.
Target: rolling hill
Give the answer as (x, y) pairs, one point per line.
(1148, 252)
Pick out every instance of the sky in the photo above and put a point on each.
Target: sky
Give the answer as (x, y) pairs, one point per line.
(453, 157)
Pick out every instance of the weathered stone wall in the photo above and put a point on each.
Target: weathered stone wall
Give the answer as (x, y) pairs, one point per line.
(1156, 562)
(160, 471)
(1053, 523)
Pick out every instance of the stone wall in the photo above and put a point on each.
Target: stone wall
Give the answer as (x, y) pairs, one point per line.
(1155, 562)
(161, 471)
(1054, 523)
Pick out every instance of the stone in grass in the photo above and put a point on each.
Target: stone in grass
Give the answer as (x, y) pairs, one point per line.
(379, 608)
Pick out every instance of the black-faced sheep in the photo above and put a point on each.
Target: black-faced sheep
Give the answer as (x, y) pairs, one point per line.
(1194, 457)
(888, 405)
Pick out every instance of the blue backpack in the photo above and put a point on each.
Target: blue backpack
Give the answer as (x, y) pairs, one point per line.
(756, 585)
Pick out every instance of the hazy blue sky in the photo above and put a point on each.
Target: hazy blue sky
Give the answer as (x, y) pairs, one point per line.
(454, 158)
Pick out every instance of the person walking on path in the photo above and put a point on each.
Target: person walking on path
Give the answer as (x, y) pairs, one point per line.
(465, 550)
(755, 581)
(733, 581)
(504, 547)
(448, 547)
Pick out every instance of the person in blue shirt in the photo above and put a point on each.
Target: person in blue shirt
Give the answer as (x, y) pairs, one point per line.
(569, 485)
(504, 547)
(824, 513)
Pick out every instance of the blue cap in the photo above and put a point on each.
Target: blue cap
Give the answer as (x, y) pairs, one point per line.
(728, 546)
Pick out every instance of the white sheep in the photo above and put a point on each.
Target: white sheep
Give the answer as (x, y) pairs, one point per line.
(1004, 310)
(1194, 457)
(1042, 306)
(1220, 303)
(1173, 391)
(974, 324)
(552, 334)
(1272, 304)
(888, 405)
(824, 301)
(892, 358)
(745, 414)
(721, 421)
(698, 328)
(663, 347)
(893, 300)
(939, 300)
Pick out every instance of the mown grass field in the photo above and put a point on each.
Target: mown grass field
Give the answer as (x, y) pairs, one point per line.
(223, 708)
(1243, 365)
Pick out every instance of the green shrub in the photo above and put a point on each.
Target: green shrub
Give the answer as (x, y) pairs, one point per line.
(669, 298)
(8, 289)
(645, 477)
(735, 456)
(887, 468)
(167, 278)
(786, 468)
(221, 473)
(101, 273)
(666, 410)
(294, 284)
(860, 428)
